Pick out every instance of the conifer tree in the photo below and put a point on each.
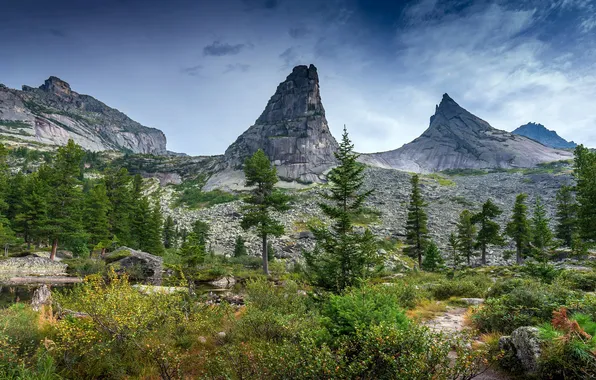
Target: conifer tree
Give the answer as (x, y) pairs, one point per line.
(117, 182)
(454, 255)
(343, 256)
(466, 235)
(141, 214)
(66, 197)
(31, 222)
(542, 236)
(489, 232)
(519, 228)
(239, 247)
(97, 224)
(585, 176)
(566, 215)
(433, 261)
(416, 229)
(151, 237)
(201, 231)
(7, 235)
(169, 239)
(261, 177)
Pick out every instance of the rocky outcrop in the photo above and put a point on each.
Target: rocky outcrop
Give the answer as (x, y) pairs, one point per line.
(142, 265)
(538, 132)
(31, 266)
(41, 296)
(456, 139)
(523, 345)
(292, 131)
(54, 113)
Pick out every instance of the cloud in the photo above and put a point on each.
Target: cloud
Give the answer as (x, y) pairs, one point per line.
(57, 32)
(241, 67)
(219, 49)
(291, 57)
(192, 71)
(299, 32)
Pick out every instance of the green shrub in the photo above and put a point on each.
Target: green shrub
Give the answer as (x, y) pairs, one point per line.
(474, 286)
(85, 266)
(544, 272)
(577, 280)
(194, 197)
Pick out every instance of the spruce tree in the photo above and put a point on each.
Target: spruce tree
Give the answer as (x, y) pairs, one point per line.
(32, 220)
(416, 229)
(343, 256)
(519, 228)
(141, 214)
(97, 224)
(466, 235)
(566, 215)
(117, 182)
(261, 177)
(169, 232)
(454, 255)
(489, 232)
(66, 197)
(201, 231)
(542, 236)
(239, 247)
(585, 176)
(151, 238)
(433, 261)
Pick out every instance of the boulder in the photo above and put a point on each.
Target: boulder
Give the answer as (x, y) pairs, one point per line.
(524, 346)
(41, 296)
(32, 266)
(142, 265)
(224, 282)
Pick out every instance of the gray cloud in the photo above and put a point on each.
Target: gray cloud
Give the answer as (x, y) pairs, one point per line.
(218, 49)
(299, 31)
(192, 71)
(291, 57)
(240, 67)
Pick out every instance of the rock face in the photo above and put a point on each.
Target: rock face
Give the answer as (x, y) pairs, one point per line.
(130, 260)
(53, 113)
(538, 132)
(524, 344)
(32, 266)
(456, 139)
(292, 131)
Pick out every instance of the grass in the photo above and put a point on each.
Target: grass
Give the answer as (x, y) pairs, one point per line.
(440, 179)
(427, 310)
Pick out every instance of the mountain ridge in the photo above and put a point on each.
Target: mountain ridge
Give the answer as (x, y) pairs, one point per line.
(540, 133)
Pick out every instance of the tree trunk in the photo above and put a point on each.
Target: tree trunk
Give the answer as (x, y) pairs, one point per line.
(5, 250)
(483, 255)
(54, 249)
(103, 252)
(265, 256)
(518, 256)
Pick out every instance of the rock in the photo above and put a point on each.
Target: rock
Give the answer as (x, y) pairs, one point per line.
(538, 132)
(473, 301)
(127, 259)
(523, 344)
(32, 266)
(202, 340)
(53, 113)
(153, 289)
(292, 130)
(41, 296)
(456, 139)
(224, 282)
(306, 235)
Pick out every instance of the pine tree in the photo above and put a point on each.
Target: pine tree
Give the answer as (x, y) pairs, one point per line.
(343, 256)
(239, 247)
(566, 215)
(466, 235)
(7, 236)
(542, 236)
(270, 251)
(454, 255)
(433, 261)
(17, 190)
(66, 197)
(169, 239)
(201, 231)
(141, 214)
(151, 237)
(489, 232)
(585, 175)
(519, 228)
(261, 176)
(32, 220)
(117, 182)
(97, 224)
(416, 229)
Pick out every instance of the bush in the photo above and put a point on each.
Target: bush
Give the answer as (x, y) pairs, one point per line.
(475, 286)
(544, 272)
(577, 280)
(83, 267)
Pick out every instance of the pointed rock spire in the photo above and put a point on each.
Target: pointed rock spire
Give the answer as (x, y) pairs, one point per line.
(56, 86)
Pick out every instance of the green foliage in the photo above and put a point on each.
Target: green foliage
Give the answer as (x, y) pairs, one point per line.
(585, 175)
(239, 247)
(489, 232)
(416, 229)
(441, 180)
(464, 285)
(455, 258)
(519, 228)
(96, 221)
(194, 197)
(542, 236)
(169, 232)
(566, 215)
(466, 235)
(343, 256)
(433, 261)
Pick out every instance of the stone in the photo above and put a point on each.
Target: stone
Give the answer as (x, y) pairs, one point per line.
(306, 235)
(473, 301)
(41, 296)
(457, 139)
(224, 282)
(32, 266)
(524, 343)
(292, 131)
(54, 113)
(125, 258)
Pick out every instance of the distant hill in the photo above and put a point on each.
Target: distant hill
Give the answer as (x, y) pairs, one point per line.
(52, 114)
(538, 132)
(457, 139)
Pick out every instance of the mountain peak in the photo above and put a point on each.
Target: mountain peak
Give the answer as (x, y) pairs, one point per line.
(540, 133)
(56, 86)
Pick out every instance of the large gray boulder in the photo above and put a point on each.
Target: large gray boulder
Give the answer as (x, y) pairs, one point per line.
(142, 265)
(457, 139)
(31, 266)
(292, 131)
(523, 344)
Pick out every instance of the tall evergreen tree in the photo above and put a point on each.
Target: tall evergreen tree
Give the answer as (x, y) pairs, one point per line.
(155, 227)
(433, 261)
(239, 247)
(454, 256)
(342, 256)
(169, 239)
(32, 220)
(566, 215)
(201, 231)
(542, 236)
(466, 235)
(97, 224)
(261, 176)
(416, 229)
(66, 197)
(141, 214)
(519, 228)
(585, 176)
(117, 182)
(489, 232)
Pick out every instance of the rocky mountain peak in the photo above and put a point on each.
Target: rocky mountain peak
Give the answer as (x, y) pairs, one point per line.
(450, 116)
(56, 86)
(540, 133)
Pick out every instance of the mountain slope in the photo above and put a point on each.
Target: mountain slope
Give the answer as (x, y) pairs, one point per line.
(538, 132)
(457, 139)
(292, 131)
(53, 113)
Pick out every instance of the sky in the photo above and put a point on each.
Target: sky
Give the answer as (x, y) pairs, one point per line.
(202, 71)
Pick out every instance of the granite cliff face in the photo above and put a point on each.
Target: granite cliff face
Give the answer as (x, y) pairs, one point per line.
(53, 113)
(456, 139)
(292, 131)
(538, 132)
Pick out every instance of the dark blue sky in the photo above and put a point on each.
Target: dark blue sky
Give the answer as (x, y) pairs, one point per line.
(202, 71)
